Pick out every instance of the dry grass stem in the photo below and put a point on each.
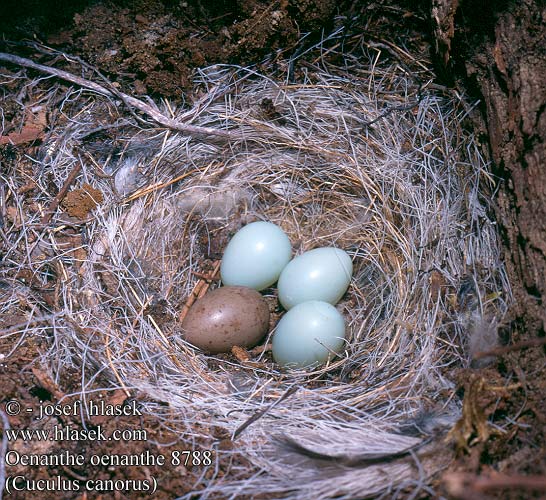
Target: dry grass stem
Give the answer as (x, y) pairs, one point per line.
(362, 154)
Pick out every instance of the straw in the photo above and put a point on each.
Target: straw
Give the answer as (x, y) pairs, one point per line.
(362, 154)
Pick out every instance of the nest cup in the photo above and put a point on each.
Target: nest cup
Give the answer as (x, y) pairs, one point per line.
(370, 161)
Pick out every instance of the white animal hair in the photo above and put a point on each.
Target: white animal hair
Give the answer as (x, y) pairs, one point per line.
(367, 159)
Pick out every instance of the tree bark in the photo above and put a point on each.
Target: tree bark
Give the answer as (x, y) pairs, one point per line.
(501, 46)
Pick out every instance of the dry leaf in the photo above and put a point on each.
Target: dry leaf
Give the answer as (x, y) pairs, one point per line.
(240, 353)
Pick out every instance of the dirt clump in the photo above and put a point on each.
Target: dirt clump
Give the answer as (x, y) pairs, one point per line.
(79, 202)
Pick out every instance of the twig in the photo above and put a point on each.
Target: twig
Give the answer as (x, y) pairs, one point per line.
(61, 194)
(499, 351)
(192, 130)
(154, 187)
(199, 290)
(459, 484)
(261, 413)
(33, 322)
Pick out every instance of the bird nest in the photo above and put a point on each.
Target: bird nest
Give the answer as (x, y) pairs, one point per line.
(374, 160)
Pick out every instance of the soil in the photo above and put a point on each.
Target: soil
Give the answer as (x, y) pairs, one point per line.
(27, 382)
(497, 52)
(153, 48)
(79, 202)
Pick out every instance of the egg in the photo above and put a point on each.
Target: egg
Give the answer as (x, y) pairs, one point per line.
(225, 317)
(308, 335)
(255, 256)
(321, 274)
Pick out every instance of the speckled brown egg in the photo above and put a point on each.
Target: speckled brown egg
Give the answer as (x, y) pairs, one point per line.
(225, 317)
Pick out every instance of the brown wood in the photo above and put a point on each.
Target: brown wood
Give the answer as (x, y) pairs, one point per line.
(502, 48)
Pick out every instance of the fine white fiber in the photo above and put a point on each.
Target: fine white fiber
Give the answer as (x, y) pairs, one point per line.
(359, 154)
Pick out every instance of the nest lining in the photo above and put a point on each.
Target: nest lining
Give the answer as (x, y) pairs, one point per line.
(368, 161)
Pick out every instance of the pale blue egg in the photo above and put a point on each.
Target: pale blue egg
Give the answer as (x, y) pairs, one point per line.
(255, 256)
(319, 274)
(308, 335)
